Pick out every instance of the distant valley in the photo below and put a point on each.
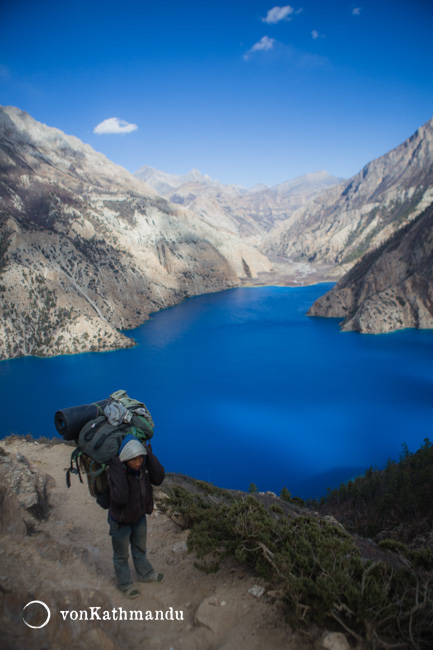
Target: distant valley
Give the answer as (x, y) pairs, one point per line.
(88, 249)
(248, 213)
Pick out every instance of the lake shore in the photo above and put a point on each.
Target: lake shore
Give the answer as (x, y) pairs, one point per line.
(287, 273)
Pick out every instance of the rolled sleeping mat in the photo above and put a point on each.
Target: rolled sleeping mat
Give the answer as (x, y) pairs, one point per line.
(70, 421)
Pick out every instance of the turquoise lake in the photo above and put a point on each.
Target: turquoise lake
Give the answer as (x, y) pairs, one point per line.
(244, 387)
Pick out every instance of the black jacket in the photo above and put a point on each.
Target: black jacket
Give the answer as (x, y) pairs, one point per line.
(131, 494)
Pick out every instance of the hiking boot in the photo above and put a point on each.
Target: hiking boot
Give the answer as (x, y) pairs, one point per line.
(131, 592)
(155, 577)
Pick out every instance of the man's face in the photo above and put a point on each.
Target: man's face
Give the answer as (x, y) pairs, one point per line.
(135, 463)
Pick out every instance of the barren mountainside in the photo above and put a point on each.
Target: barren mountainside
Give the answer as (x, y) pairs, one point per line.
(250, 214)
(86, 249)
(390, 288)
(354, 217)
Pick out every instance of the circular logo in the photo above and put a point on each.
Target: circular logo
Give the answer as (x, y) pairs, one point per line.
(38, 602)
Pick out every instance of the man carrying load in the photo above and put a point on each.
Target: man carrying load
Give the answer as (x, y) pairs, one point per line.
(131, 475)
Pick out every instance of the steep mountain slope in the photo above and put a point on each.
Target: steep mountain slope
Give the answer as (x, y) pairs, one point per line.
(390, 288)
(86, 249)
(346, 221)
(250, 214)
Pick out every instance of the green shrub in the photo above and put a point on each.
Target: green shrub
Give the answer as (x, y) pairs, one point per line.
(393, 545)
(285, 494)
(315, 565)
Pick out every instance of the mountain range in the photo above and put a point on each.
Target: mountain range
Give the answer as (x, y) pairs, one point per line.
(88, 249)
(248, 213)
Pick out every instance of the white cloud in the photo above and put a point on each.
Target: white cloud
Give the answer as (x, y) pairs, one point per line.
(264, 44)
(315, 34)
(356, 11)
(114, 125)
(278, 13)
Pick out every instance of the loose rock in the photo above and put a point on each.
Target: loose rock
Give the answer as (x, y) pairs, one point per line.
(334, 641)
(256, 591)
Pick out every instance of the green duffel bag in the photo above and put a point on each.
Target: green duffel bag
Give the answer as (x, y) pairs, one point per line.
(141, 427)
(133, 405)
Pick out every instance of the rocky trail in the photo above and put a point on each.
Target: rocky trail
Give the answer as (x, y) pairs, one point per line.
(65, 561)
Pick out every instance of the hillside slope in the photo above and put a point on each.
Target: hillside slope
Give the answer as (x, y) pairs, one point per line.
(86, 249)
(348, 220)
(55, 547)
(393, 503)
(390, 288)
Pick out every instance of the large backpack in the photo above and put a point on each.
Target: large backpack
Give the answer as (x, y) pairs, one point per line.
(100, 438)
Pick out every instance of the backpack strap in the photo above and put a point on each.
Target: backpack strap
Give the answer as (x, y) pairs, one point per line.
(98, 408)
(98, 472)
(74, 470)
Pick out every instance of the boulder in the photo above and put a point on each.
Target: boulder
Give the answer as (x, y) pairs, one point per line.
(333, 641)
(30, 486)
(11, 521)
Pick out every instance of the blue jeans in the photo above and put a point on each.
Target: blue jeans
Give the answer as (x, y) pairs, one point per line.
(122, 535)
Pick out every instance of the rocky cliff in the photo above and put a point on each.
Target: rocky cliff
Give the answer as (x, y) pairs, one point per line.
(390, 288)
(86, 249)
(348, 220)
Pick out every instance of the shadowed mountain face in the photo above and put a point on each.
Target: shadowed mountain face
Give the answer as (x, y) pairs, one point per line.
(86, 249)
(390, 288)
(250, 214)
(350, 219)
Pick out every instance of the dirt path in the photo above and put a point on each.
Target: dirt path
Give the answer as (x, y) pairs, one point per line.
(67, 561)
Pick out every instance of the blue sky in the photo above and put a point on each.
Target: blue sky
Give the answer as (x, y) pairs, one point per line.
(246, 92)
